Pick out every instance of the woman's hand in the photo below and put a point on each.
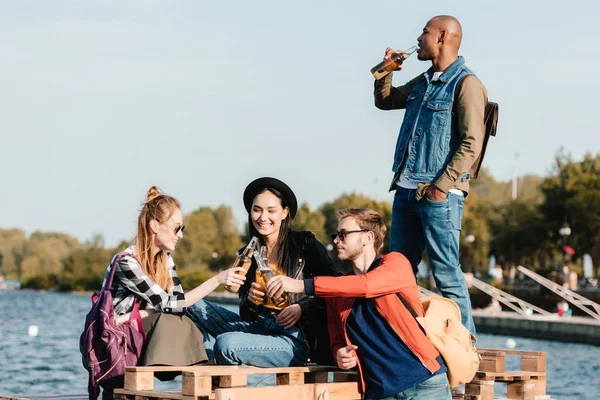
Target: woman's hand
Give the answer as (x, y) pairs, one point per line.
(289, 316)
(346, 357)
(281, 283)
(233, 277)
(255, 295)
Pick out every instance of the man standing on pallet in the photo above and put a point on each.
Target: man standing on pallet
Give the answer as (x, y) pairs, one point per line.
(369, 327)
(439, 140)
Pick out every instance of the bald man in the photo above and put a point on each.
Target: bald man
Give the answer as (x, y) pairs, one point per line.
(440, 138)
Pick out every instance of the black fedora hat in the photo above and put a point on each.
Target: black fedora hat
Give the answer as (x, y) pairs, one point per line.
(259, 184)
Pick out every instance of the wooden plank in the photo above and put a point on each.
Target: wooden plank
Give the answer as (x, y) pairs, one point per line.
(290, 378)
(230, 381)
(509, 375)
(139, 380)
(337, 391)
(482, 388)
(288, 392)
(495, 363)
(319, 391)
(507, 351)
(540, 386)
(533, 362)
(232, 369)
(166, 395)
(524, 390)
(194, 384)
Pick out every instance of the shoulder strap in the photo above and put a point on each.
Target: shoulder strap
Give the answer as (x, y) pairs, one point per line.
(113, 268)
(407, 305)
(412, 311)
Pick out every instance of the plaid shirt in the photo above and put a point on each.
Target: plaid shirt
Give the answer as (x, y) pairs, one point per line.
(131, 281)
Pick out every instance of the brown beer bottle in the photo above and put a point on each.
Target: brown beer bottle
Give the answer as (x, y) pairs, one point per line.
(263, 275)
(244, 260)
(391, 63)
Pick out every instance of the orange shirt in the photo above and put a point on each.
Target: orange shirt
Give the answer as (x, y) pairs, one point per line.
(393, 275)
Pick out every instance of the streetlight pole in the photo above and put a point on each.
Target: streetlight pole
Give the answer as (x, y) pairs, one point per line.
(564, 232)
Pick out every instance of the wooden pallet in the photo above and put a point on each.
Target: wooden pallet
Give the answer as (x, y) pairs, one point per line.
(294, 383)
(529, 383)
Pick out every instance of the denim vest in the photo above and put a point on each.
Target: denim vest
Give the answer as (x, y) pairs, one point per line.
(435, 141)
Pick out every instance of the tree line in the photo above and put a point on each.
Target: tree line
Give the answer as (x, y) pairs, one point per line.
(524, 231)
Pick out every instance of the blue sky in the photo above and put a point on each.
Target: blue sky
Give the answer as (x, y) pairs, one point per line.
(102, 99)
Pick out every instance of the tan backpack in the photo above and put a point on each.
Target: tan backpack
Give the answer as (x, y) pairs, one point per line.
(442, 325)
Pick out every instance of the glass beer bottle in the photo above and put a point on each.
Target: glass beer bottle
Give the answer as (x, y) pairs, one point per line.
(263, 275)
(391, 63)
(244, 260)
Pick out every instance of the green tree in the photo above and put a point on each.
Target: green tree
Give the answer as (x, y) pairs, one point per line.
(355, 200)
(572, 193)
(313, 221)
(211, 239)
(520, 235)
(474, 252)
(43, 252)
(11, 246)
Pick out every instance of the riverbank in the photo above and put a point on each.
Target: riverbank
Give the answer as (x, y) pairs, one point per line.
(564, 329)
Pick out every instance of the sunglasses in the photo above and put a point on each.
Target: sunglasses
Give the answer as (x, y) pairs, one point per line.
(342, 234)
(177, 229)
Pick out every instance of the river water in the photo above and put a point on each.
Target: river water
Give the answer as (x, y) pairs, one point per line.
(50, 363)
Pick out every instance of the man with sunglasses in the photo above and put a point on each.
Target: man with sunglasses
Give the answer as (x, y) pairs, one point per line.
(369, 327)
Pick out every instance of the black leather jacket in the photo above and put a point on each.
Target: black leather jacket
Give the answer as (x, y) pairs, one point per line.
(313, 321)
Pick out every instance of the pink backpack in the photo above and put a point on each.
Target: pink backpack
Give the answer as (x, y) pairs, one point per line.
(107, 349)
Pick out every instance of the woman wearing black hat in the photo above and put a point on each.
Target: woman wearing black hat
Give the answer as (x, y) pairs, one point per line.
(272, 332)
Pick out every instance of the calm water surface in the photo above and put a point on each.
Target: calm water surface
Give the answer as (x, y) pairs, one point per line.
(50, 363)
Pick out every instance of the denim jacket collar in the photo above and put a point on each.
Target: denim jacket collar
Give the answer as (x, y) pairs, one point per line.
(448, 73)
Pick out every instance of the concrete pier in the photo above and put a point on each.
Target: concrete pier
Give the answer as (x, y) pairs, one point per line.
(566, 329)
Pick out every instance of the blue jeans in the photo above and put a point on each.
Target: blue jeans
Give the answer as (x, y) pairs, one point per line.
(435, 226)
(262, 343)
(434, 388)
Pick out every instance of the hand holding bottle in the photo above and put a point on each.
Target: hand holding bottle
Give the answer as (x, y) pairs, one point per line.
(232, 278)
(392, 61)
(243, 261)
(255, 295)
(280, 284)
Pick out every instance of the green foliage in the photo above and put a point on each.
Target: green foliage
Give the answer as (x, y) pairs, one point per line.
(572, 192)
(522, 231)
(44, 281)
(192, 278)
(41, 253)
(11, 246)
(354, 200)
(474, 255)
(84, 268)
(313, 221)
(211, 239)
